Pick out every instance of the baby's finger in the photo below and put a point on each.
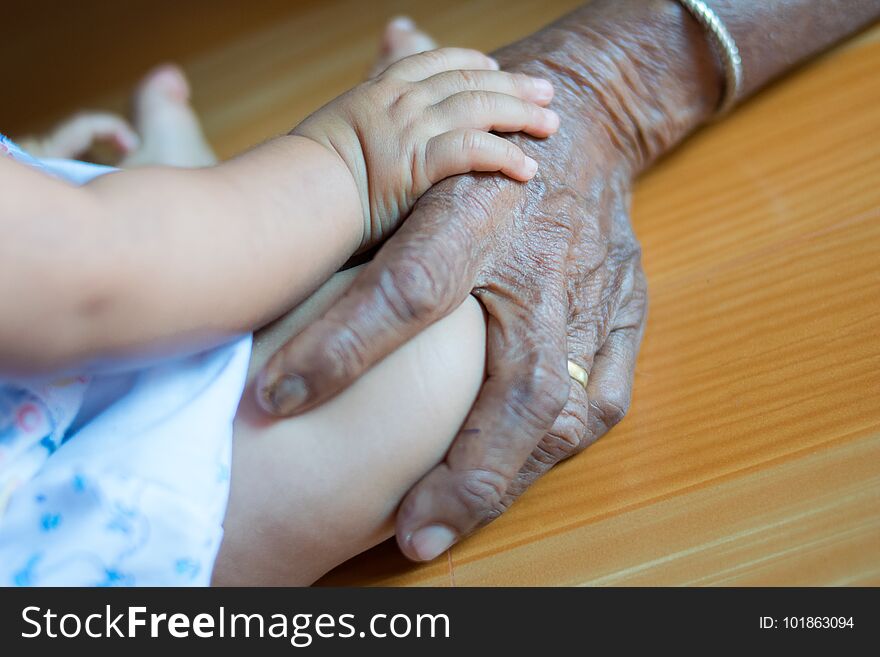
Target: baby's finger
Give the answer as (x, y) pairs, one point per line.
(486, 110)
(425, 64)
(441, 86)
(461, 151)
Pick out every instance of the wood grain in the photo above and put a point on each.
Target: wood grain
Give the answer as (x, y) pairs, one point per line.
(751, 454)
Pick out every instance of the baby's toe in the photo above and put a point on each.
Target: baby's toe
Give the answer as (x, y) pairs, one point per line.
(401, 39)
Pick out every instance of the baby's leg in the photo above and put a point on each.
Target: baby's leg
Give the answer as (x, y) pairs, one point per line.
(170, 131)
(310, 492)
(166, 129)
(401, 39)
(171, 134)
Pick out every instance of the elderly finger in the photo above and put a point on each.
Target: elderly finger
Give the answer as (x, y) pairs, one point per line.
(566, 437)
(410, 284)
(524, 392)
(586, 418)
(611, 381)
(589, 414)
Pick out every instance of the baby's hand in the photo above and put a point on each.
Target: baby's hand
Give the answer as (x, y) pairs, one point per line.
(426, 118)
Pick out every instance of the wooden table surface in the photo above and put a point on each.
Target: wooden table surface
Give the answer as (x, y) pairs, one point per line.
(751, 454)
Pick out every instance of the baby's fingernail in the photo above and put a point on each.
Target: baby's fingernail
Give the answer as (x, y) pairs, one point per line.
(543, 90)
(287, 394)
(430, 542)
(551, 119)
(531, 167)
(494, 63)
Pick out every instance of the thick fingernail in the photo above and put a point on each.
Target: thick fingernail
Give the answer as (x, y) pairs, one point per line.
(531, 167)
(288, 393)
(430, 542)
(543, 90)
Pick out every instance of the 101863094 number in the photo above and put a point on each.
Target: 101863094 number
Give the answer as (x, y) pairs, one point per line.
(818, 622)
(808, 622)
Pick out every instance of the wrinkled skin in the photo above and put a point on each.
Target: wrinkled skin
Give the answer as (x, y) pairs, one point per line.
(557, 267)
(554, 262)
(558, 271)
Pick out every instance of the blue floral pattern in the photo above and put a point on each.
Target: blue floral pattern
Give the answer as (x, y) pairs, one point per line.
(134, 495)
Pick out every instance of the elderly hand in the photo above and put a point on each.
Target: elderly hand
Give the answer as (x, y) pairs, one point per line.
(554, 261)
(556, 266)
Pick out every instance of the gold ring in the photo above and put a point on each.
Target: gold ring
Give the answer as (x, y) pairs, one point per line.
(578, 373)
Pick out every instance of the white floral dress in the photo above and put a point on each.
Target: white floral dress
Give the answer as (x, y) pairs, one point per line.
(120, 478)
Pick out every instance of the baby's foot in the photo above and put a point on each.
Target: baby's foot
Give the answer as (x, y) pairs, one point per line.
(169, 128)
(401, 39)
(94, 136)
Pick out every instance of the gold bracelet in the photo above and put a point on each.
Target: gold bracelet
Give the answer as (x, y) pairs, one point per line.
(727, 50)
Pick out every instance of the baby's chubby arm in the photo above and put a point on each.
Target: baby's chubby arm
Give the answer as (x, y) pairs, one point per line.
(158, 261)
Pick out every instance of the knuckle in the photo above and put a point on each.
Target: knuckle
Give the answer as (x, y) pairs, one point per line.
(545, 453)
(407, 100)
(553, 449)
(552, 380)
(573, 429)
(565, 439)
(612, 406)
(625, 252)
(568, 437)
(346, 353)
(482, 492)
(519, 81)
(539, 397)
(513, 153)
(438, 57)
(482, 102)
(472, 141)
(468, 79)
(412, 289)
(531, 471)
(635, 253)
